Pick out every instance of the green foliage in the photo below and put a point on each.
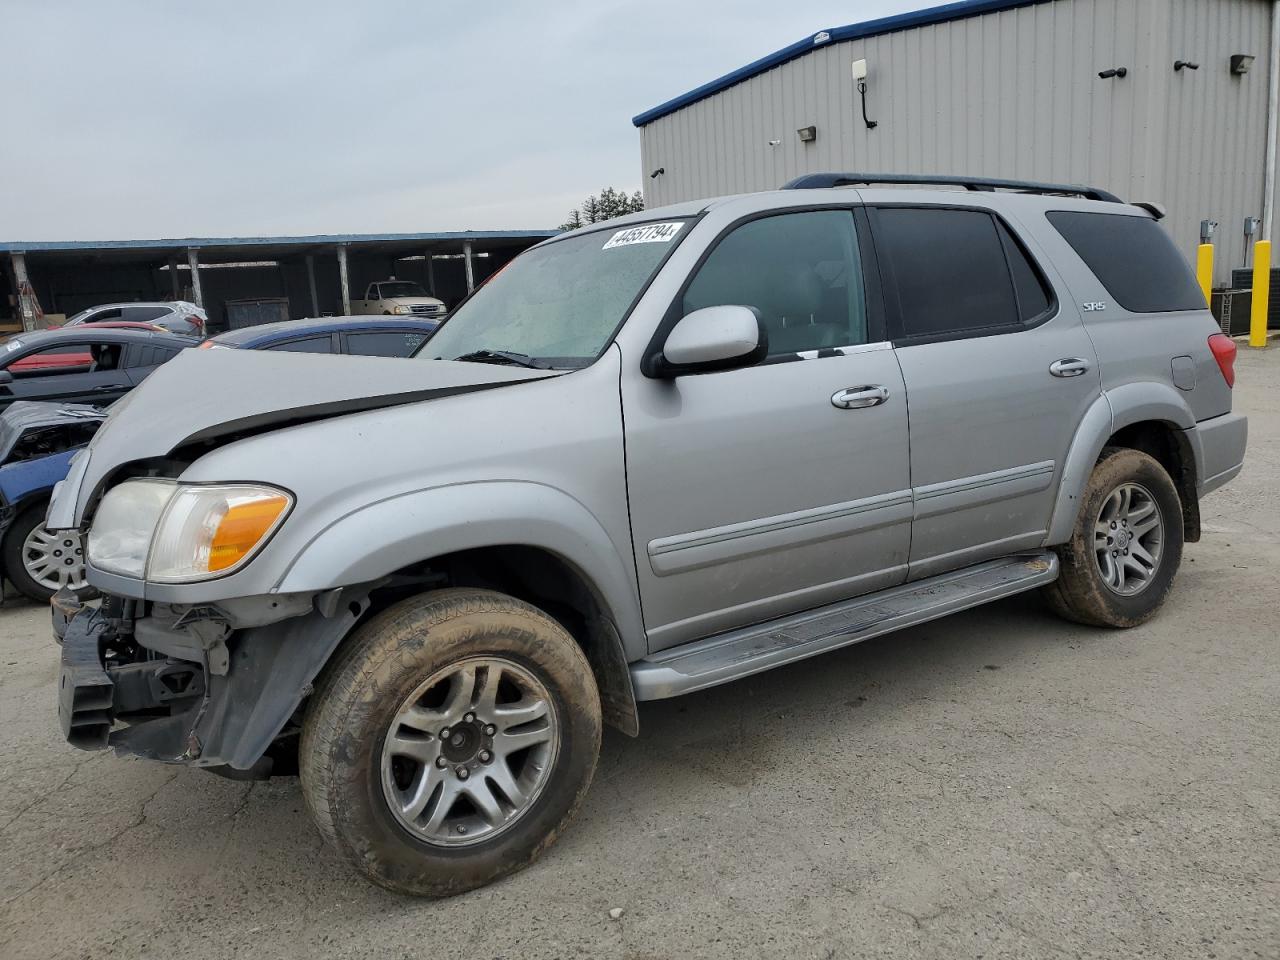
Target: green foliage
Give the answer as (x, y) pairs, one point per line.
(609, 203)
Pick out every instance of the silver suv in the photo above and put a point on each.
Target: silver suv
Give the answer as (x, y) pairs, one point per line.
(648, 457)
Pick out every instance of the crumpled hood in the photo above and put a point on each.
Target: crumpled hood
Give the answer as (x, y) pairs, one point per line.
(201, 395)
(26, 416)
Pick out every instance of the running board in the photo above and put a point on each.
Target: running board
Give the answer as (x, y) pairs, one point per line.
(740, 653)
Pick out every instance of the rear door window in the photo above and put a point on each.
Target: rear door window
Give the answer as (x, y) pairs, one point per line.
(1134, 258)
(952, 273)
(323, 344)
(145, 314)
(114, 313)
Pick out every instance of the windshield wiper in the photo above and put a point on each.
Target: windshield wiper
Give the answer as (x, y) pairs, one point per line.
(502, 356)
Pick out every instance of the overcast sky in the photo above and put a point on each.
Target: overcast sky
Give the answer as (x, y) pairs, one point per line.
(149, 118)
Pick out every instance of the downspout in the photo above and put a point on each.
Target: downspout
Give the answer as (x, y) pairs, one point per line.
(1273, 109)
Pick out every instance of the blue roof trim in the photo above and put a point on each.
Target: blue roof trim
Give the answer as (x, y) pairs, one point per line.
(36, 246)
(854, 31)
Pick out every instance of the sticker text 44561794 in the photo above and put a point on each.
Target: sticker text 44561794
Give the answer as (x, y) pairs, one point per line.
(647, 233)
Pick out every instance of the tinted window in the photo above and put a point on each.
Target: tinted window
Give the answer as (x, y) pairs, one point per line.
(1133, 258)
(1033, 294)
(950, 270)
(800, 271)
(151, 355)
(145, 314)
(392, 343)
(322, 344)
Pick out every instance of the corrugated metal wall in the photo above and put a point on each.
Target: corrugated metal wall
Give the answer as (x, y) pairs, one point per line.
(1010, 94)
(1216, 131)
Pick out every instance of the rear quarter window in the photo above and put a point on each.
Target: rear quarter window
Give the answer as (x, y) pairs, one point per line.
(1133, 258)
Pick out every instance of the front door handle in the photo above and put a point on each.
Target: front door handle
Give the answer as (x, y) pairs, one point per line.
(1069, 367)
(855, 398)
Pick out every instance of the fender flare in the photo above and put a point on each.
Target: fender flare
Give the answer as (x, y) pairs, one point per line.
(382, 537)
(1114, 410)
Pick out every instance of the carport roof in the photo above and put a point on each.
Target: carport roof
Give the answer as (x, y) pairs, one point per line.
(241, 249)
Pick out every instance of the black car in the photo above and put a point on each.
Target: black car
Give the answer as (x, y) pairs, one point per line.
(82, 364)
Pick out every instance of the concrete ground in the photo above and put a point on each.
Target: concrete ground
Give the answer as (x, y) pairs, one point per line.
(996, 784)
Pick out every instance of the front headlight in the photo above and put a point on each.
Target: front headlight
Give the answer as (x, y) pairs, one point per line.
(400, 310)
(177, 533)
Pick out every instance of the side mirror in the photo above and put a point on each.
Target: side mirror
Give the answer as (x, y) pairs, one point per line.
(713, 338)
(5, 377)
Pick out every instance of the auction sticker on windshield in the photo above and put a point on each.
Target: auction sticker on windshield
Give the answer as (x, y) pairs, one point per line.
(649, 233)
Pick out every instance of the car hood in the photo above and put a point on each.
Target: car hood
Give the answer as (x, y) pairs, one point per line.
(410, 301)
(202, 396)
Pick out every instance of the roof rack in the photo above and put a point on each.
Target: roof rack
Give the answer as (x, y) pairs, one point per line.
(820, 181)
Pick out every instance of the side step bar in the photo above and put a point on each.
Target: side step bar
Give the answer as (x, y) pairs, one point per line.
(742, 652)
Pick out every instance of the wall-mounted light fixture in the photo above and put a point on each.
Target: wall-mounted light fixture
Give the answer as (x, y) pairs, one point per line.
(657, 173)
(807, 134)
(1114, 72)
(1241, 62)
(1179, 64)
(860, 78)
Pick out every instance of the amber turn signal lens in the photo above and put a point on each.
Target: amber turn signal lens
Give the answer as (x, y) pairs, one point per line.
(241, 528)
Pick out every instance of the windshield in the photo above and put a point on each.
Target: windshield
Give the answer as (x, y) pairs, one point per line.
(559, 304)
(402, 288)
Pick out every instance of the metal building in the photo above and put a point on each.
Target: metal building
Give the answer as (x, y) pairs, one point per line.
(1155, 100)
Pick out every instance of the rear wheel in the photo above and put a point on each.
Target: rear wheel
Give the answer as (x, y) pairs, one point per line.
(451, 741)
(1119, 565)
(39, 562)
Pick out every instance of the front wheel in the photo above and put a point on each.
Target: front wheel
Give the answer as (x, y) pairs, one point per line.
(1118, 567)
(39, 562)
(451, 740)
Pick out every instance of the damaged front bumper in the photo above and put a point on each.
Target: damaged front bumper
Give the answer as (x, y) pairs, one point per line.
(191, 685)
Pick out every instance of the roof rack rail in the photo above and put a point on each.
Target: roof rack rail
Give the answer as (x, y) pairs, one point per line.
(820, 181)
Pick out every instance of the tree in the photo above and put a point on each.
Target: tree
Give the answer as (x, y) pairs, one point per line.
(609, 203)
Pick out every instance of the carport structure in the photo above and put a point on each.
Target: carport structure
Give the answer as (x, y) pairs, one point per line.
(316, 275)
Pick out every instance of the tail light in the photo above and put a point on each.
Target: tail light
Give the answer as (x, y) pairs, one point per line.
(1224, 351)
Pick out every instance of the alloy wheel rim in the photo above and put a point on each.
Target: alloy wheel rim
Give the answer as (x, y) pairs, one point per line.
(54, 559)
(1128, 539)
(468, 753)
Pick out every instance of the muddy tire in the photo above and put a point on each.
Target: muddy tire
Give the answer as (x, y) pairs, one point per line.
(1118, 567)
(450, 741)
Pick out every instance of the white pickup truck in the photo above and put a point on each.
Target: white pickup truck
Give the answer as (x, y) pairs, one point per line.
(398, 298)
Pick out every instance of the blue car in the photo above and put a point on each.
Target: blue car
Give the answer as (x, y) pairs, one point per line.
(366, 336)
(38, 440)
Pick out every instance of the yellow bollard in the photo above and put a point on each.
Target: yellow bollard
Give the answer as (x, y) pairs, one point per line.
(1261, 293)
(1204, 270)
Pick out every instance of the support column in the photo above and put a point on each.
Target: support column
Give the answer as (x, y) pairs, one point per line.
(193, 261)
(26, 309)
(431, 275)
(175, 285)
(311, 281)
(342, 277)
(466, 258)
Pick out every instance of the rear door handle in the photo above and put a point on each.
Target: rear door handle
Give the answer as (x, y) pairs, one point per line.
(855, 398)
(1069, 367)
